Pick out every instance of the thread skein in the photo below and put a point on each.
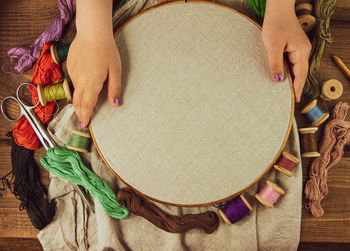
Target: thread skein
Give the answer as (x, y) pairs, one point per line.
(258, 7)
(59, 53)
(308, 142)
(323, 10)
(336, 135)
(26, 186)
(45, 72)
(235, 210)
(79, 141)
(207, 221)
(67, 164)
(269, 195)
(26, 57)
(54, 92)
(314, 113)
(305, 17)
(287, 163)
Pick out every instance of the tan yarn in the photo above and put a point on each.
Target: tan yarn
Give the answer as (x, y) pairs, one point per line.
(323, 10)
(336, 134)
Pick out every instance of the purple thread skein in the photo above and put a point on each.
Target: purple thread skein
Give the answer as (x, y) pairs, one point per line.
(26, 57)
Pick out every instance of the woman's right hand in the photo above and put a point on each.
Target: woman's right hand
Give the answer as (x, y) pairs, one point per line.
(93, 57)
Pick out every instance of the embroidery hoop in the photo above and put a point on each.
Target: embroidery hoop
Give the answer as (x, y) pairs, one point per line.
(151, 189)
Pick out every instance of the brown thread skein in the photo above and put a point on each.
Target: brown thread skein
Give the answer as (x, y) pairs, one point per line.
(208, 221)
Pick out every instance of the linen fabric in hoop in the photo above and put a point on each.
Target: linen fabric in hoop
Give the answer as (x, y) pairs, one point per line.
(201, 120)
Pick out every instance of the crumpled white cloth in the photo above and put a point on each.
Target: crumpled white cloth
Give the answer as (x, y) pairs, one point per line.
(76, 228)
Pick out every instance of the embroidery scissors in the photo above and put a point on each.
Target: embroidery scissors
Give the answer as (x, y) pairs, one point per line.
(40, 131)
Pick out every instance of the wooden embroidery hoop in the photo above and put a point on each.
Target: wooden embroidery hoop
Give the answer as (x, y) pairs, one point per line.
(96, 134)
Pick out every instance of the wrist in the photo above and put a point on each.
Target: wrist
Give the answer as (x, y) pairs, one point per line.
(94, 19)
(280, 6)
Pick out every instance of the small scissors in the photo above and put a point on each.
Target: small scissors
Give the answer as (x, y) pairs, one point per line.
(40, 131)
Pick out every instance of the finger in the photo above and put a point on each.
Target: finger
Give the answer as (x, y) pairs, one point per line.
(114, 84)
(275, 57)
(88, 101)
(300, 70)
(78, 93)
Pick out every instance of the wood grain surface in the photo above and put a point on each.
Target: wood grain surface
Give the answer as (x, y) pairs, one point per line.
(22, 21)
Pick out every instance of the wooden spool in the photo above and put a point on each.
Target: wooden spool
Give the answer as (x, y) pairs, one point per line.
(54, 54)
(224, 217)
(309, 107)
(83, 134)
(275, 187)
(309, 130)
(307, 21)
(331, 90)
(290, 157)
(195, 98)
(66, 89)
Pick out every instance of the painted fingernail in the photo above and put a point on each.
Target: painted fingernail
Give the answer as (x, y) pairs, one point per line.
(116, 101)
(278, 77)
(81, 124)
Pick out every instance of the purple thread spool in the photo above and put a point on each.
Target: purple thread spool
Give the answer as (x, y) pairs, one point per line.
(235, 210)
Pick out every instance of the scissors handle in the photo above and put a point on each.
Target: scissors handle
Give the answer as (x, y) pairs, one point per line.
(20, 99)
(3, 109)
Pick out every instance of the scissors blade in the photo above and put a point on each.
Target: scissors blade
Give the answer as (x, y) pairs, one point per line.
(43, 135)
(40, 128)
(83, 195)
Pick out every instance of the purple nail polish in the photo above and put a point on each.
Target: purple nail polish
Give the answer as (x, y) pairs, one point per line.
(278, 77)
(81, 124)
(116, 101)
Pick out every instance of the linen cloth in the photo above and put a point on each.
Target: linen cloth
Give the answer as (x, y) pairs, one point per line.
(75, 228)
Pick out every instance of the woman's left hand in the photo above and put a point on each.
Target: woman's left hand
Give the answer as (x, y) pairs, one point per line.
(282, 33)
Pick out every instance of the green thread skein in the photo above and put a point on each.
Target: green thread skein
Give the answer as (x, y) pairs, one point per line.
(259, 8)
(67, 164)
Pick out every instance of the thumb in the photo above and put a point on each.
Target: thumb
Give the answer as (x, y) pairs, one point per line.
(114, 85)
(276, 64)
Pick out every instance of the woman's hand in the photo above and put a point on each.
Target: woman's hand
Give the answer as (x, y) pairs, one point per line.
(283, 33)
(93, 57)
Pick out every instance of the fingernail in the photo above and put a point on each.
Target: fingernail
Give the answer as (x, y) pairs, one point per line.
(116, 101)
(81, 124)
(278, 77)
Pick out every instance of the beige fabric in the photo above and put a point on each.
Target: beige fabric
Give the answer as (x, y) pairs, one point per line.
(199, 120)
(75, 228)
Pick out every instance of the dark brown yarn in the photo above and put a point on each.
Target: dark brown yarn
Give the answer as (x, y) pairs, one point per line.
(208, 221)
(25, 185)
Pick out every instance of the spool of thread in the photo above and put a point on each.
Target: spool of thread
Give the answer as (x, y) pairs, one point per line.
(79, 141)
(54, 92)
(308, 142)
(287, 163)
(305, 17)
(331, 90)
(235, 210)
(269, 195)
(314, 113)
(59, 53)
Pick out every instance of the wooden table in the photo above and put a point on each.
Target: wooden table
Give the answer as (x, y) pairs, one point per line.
(22, 21)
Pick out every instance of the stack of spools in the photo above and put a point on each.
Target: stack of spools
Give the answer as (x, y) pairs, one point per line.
(304, 12)
(60, 89)
(239, 207)
(308, 140)
(79, 140)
